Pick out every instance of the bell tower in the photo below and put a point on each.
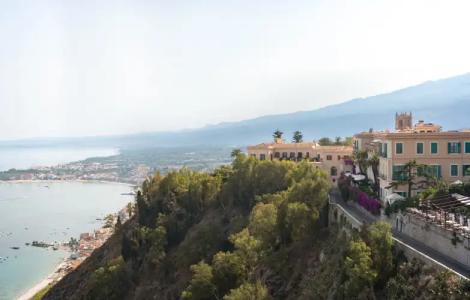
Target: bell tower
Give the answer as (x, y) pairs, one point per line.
(403, 121)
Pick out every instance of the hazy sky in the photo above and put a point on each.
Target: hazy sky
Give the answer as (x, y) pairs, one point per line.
(71, 68)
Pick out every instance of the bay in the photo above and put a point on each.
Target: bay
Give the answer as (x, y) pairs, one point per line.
(47, 211)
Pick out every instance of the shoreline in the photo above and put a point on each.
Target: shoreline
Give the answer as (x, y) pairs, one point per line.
(50, 279)
(71, 180)
(67, 264)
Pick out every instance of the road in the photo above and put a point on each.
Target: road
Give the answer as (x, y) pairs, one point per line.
(367, 218)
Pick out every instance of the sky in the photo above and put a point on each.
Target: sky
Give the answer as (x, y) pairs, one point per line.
(85, 68)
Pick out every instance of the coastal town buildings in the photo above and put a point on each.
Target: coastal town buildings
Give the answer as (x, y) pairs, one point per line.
(445, 154)
(332, 159)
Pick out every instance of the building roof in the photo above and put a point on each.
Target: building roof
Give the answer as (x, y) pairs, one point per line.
(309, 145)
(449, 202)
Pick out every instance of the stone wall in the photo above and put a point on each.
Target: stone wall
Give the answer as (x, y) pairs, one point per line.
(438, 238)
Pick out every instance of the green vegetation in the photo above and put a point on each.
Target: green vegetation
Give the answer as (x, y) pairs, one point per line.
(252, 230)
(297, 137)
(338, 141)
(277, 134)
(39, 295)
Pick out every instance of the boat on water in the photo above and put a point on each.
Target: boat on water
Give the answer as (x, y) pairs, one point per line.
(15, 248)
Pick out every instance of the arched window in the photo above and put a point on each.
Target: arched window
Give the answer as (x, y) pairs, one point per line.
(333, 171)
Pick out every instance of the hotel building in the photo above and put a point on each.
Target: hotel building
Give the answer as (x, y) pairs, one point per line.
(445, 153)
(332, 159)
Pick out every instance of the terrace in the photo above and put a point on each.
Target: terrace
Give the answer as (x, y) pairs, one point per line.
(449, 212)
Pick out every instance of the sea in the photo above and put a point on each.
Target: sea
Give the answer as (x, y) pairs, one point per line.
(47, 211)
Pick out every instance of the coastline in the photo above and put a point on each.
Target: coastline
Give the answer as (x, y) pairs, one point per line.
(72, 180)
(50, 279)
(68, 263)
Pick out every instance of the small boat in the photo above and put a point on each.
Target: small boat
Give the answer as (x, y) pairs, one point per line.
(15, 248)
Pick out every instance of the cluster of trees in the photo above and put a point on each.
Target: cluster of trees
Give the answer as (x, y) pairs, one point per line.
(280, 215)
(279, 201)
(297, 137)
(277, 204)
(338, 141)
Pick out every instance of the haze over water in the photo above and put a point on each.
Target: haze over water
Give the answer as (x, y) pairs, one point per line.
(27, 157)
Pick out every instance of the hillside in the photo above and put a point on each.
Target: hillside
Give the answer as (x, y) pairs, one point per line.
(254, 230)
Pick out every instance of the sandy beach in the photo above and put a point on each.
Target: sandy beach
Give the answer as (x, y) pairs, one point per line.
(53, 277)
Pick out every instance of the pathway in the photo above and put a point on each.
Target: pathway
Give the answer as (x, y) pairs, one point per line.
(367, 218)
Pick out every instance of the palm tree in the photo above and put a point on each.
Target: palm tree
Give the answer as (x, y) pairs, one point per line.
(373, 162)
(338, 141)
(235, 152)
(361, 158)
(277, 134)
(298, 137)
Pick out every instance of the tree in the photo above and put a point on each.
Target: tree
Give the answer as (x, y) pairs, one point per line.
(277, 134)
(374, 162)
(109, 281)
(248, 248)
(297, 137)
(235, 153)
(299, 220)
(228, 270)
(201, 286)
(413, 175)
(109, 221)
(338, 141)
(361, 158)
(380, 240)
(358, 268)
(325, 141)
(130, 209)
(249, 291)
(263, 221)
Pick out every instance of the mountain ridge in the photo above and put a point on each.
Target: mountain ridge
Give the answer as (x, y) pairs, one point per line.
(444, 101)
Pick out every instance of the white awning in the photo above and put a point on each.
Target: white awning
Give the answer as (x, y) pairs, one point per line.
(358, 177)
(394, 197)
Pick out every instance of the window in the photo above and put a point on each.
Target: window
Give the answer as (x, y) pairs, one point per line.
(454, 170)
(466, 170)
(434, 171)
(277, 154)
(339, 157)
(292, 155)
(454, 147)
(299, 155)
(434, 149)
(399, 173)
(262, 156)
(333, 171)
(307, 155)
(419, 148)
(385, 150)
(329, 157)
(467, 147)
(399, 148)
(284, 154)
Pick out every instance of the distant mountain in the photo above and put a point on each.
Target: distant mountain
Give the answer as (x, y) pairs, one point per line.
(446, 102)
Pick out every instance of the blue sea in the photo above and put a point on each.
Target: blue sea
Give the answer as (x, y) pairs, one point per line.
(47, 211)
